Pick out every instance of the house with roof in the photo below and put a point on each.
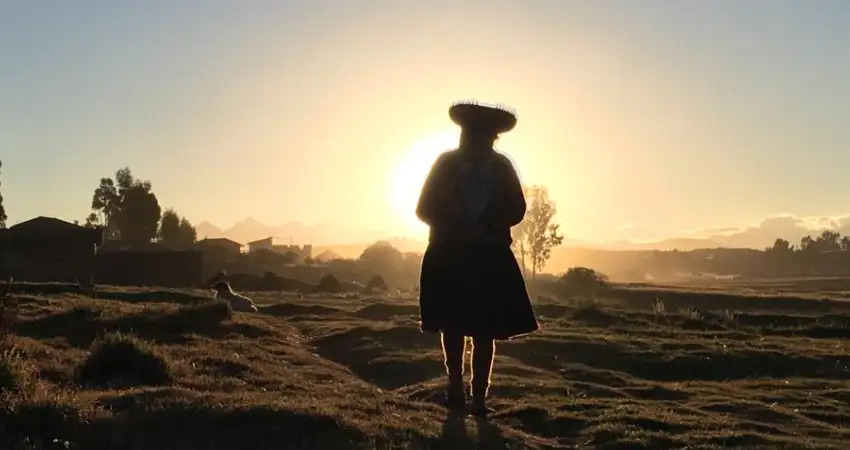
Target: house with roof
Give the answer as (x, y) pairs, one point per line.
(220, 245)
(272, 244)
(49, 249)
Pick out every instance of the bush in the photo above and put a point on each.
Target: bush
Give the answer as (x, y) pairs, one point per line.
(124, 358)
(329, 284)
(582, 282)
(376, 284)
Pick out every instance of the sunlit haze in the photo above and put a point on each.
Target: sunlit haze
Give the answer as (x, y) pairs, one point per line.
(646, 120)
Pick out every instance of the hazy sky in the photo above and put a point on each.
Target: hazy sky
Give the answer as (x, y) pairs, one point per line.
(644, 118)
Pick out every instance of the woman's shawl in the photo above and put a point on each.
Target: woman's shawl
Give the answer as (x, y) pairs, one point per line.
(451, 199)
(477, 185)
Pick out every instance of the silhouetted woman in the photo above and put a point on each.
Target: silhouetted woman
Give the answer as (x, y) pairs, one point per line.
(471, 285)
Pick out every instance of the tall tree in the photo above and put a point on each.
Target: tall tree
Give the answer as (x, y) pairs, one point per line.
(828, 241)
(537, 234)
(138, 214)
(169, 227)
(382, 258)
(188, 232)
(126, 207)
(104, 205)
(2, 208)
(176, 231)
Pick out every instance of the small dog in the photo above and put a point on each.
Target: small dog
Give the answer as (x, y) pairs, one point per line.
(224, 292)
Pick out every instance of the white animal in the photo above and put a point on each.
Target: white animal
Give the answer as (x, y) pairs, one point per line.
(238, 302)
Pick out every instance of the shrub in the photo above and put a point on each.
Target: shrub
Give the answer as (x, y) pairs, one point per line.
(329, 284)
(582, 282)
(376, 284)
(123, 358)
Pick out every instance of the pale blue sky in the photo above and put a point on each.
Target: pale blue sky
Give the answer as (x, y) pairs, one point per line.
(643, 117)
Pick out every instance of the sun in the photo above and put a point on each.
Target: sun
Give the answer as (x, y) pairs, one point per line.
(410, 173)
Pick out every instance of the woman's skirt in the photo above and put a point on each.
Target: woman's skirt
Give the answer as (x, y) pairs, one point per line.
(474, 290)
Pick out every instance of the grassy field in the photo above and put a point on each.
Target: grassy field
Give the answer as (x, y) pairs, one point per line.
(146, 369)
(837, 287)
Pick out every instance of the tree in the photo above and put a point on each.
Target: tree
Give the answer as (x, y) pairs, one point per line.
(382, 258)
(176, 231)
(807, 244)
(188, 231)
(781, 246)
(126, 207)
(138, 214)
(537, 234)
(104, 204)
(828, 241)
(92, 221)
(2, 208)
(845, 243)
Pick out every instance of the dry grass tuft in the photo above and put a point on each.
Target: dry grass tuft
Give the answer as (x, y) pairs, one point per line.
(121, 359)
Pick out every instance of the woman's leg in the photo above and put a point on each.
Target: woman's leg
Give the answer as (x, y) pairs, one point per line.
(483, 350)
(454, 346)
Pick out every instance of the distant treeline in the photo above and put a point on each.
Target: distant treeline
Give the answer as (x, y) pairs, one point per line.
(825, 254)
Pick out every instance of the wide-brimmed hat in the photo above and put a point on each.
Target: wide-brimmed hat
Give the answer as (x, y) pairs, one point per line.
(482, 117)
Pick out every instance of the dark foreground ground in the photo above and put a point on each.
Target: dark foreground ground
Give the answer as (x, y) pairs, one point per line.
(344, 373)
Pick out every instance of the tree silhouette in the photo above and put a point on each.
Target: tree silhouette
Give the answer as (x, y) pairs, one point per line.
(169, 227)
(92, 221)
(537, 234)
(138, 216)
(828, 241)
(176, 231)
(781, 246)
(382, 258)
(807, 244)
(104, 204)
(188, 231)
(126, 207)
(2, 208)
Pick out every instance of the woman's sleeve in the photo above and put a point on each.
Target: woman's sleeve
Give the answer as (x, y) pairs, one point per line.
(428, 208)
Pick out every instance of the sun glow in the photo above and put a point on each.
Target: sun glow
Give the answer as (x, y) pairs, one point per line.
(410, 173)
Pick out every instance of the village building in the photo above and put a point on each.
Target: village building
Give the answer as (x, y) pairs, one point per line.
(220, 248)
(49, 249)
(300, 254)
